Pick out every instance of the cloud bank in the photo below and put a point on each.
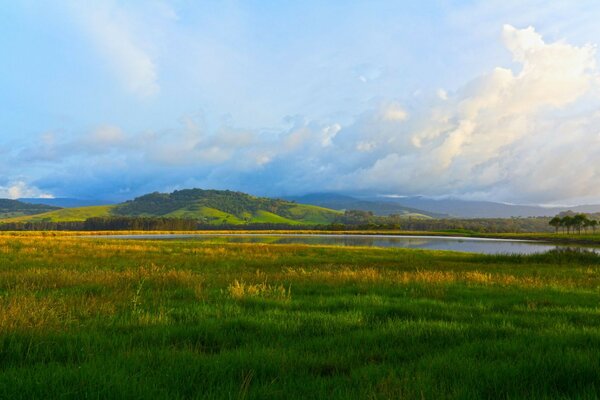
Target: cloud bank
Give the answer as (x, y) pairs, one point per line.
(526, 132)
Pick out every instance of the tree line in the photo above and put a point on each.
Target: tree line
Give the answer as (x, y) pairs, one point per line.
(350, 220)
(573, 223)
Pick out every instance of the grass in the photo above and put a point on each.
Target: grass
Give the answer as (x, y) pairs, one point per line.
(66, 214)
(313, 214)
(215, 216)
(93, 318)
(297, 215)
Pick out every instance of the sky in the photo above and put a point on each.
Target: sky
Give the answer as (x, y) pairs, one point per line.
(488, 100)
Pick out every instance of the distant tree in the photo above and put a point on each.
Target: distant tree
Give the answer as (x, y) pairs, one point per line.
(567, 222)
(590, 223)
(593, 225)
(556, 222)
(579, 221)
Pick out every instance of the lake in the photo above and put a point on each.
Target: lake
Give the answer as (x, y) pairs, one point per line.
(471, 245)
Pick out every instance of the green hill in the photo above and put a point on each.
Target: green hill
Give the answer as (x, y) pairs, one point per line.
(15, 208)
(215, 207)
(66, 215)
(224, 206)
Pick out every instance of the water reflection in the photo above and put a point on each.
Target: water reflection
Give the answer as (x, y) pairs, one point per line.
(472, 245)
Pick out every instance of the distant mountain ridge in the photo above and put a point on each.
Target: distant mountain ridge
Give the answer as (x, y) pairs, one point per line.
(15, 208)
(378, 207)
(65, 202)
(213, 207)
(229, 207)
(484, 209)
(435, 208)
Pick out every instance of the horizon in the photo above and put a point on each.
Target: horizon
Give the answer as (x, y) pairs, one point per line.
(359, 196)
(479, 100)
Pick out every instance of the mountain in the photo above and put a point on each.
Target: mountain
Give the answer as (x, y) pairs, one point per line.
(208, 206)
(15, 208)
(377, 207)
(483, 209)
(65, 202)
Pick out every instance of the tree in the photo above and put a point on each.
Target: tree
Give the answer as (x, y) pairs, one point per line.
(590, 223)
(567, 222)
(556, 222)
(579, 221)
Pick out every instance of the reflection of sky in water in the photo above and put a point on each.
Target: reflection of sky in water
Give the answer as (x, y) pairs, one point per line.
(473, 245)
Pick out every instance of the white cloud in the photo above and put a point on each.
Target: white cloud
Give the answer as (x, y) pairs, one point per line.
(365, 147)
(525, 133)
(119, 37)
(394, 112)
(500, 130)
(329, 132)
(20, 189)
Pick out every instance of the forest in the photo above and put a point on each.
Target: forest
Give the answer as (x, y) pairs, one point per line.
(350, 220)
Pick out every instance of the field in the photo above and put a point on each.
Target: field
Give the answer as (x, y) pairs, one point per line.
(92, 318)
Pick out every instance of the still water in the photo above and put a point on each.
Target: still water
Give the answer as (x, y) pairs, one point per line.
(471, 245)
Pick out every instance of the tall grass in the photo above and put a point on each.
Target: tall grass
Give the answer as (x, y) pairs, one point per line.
(91, 318)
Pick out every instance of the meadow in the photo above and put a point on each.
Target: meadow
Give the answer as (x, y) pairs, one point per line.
(101, 318)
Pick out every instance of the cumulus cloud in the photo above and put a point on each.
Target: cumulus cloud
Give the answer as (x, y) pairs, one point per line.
(501, 130)
(526, 132)
(20, 189)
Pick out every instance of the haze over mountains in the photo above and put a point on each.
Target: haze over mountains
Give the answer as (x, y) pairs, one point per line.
(218, 206)
(436, 208)
(213, 207)
(65, 202)
(376, 206)
(485, 209)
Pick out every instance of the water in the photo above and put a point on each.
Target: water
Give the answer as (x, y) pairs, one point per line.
(471, 245)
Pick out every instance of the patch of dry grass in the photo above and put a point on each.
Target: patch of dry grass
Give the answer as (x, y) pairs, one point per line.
(240, 290)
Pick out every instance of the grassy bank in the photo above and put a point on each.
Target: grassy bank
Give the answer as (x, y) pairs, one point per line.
(91, 318)
(584, 238)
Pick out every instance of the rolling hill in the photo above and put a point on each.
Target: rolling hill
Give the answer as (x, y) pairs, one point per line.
(15, 208)
(66, 215)
(213, 207)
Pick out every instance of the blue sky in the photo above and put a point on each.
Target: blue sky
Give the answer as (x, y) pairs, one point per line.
(490, 100)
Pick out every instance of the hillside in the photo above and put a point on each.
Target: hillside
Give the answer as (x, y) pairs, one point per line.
(224, 206)
(15, 208)
(213, 207)
(66, 215)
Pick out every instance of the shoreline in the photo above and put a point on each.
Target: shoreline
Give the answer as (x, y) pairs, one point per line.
(560, 238)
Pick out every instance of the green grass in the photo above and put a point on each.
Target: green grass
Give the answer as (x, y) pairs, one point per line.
(295, 215)
(313, 214)
(91, 318)
(268, 217)
(66, 214)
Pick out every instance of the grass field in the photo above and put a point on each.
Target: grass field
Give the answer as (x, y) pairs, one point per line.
(91, 318)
